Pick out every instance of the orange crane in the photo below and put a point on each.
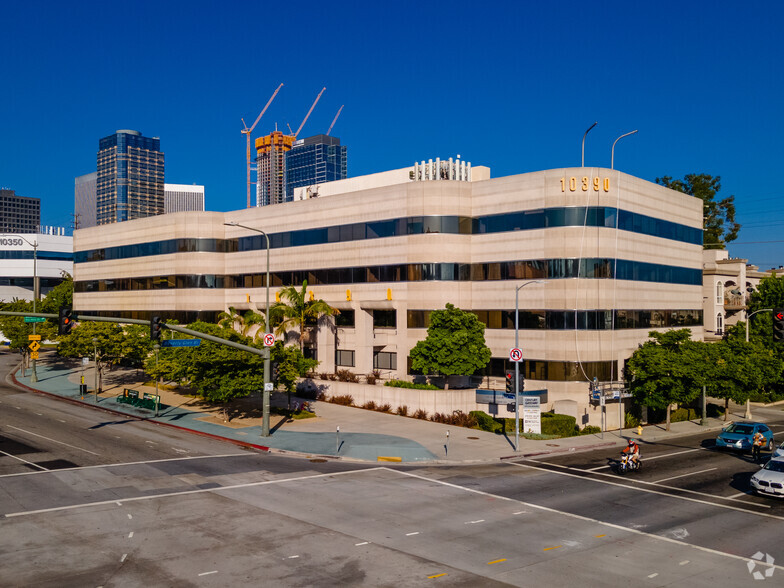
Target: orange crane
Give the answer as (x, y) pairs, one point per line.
(334, 120)
(247, 131)
(309, 111)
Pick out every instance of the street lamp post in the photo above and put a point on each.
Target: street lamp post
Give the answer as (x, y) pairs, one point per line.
(582, 161)
(612, 153)
(748, 319)
(34, 245)
(95, 371)
(517, 363)
(265, 406)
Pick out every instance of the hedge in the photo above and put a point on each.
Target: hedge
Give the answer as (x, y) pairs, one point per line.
(558, 424)
(404, 384)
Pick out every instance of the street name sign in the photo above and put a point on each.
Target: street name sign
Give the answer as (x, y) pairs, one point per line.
(34, 337)
(34, 319)
(180, 343)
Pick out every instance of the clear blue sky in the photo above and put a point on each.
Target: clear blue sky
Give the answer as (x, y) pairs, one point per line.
(511, 85)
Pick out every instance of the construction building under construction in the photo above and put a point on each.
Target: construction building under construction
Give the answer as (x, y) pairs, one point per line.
(271, 165)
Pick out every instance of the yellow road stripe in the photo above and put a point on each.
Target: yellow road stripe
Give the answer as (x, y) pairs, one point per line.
(384, 458)
(600, 536)
(435, 576)
(495, 561)
(549, 548)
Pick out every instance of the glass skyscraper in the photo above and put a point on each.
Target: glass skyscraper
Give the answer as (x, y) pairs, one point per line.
(130, 177)
(314, 160)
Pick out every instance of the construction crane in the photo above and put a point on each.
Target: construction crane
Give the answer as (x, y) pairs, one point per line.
(334, 120)
(309, 111)
(247, 131)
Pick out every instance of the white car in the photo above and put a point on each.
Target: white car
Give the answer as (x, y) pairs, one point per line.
(779, 452)
(769, 481)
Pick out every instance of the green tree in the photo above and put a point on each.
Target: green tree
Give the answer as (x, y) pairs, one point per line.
(292, 365)
(718, 215)
(667, 370)
(60, 295)
(296, 310)
(106, 350)
(242, 322)
(455, 344)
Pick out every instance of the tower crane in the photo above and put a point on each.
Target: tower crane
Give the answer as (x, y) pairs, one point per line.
(334, 120)
(309, 111)
(247, 131)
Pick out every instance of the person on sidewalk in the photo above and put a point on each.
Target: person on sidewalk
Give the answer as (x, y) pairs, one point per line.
(756, 446)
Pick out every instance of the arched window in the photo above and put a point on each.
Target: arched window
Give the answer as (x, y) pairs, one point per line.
(719, 324)
(719, 293)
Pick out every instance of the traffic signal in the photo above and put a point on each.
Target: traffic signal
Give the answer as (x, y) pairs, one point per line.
(509, 381)
(778, 324)
(66, 322)
(275, 371)
(156, 325)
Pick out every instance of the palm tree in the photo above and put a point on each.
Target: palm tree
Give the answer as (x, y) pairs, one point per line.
(298, 310)
(242, 322)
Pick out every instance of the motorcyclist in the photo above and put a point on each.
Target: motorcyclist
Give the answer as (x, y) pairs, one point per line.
(633, 450)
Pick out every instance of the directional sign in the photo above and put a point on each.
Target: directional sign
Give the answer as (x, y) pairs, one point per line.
(269, 340)
(180, 342)
(516, 354)
(34, 319)
(34, 355)
(34, 337)
(34, 346)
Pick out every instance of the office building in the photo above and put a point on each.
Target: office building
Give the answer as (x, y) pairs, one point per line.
(182, 197)
(130, 177)
(313, 161)
(21, 262)
(85, 206)
(605, 258)
(271, 168)
(19, 214)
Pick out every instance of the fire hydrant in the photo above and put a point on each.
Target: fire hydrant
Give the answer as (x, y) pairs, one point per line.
(639, 430)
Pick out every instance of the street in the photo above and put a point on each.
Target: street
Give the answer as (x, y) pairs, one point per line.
(90, 499)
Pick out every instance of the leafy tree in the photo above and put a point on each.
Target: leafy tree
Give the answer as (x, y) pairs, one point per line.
(106, 350)
(292, 365)
(718, 215)
(667, 370)
(60, 295)
(298, 310)
(242, 322)
(455, 344)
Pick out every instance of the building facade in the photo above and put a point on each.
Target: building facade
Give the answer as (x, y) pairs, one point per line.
(19, 214)
(313, 161)
(182, 198)
(130, 177)
(25, 268)
(271, 153)
(85, 206)
(604, 257)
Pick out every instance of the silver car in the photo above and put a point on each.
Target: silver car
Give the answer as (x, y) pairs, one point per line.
(769, 481)
(779, 452)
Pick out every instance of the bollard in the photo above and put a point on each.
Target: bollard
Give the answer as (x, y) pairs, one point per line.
(337, 440)
(446, 447)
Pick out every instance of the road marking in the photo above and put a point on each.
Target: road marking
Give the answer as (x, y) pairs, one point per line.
(35, 465)
(584, 518)
(414, 533)
(151, 442)
(495, 561)
(130, 516)
(180, 450)
(436, 576)
(653, 575)
(684, 562)
(474, 522)
(614, 477)
(53, 440)
(39, 414)
(746, 493)
(293, 556)
(187, 492)
(122, 559)
(363, 543)
(62, 421)
(549, 548)
(520, 512)
(130, 535)
(119, 503)
(659, 456)
(208, 573)
(683, 475)
(128, 463)
(600, 536)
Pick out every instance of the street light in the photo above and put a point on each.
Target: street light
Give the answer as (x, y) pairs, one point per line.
(748, 319)
(582, 161)
(612, 153)
(34, 245)
(95, 371)
(517, 363)
(265, 404)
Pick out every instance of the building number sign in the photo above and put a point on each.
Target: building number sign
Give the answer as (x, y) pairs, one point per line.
(585, 183)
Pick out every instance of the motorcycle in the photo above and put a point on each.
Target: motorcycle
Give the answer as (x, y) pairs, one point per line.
(628, 464)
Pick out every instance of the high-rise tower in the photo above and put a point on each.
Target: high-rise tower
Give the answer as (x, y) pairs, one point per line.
(314, 160)
(130, 177)
(271, 167)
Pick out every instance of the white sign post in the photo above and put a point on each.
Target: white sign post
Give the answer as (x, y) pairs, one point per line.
(532, 415)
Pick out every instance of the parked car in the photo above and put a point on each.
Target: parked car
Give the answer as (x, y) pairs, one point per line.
(770, 479)
(779, 452)
(740, 435)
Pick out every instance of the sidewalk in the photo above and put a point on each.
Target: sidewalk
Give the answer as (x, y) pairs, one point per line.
(363, 434)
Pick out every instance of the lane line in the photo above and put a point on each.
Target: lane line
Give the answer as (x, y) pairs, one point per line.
(474, 522)
(129, 463)
(414, 533)
(184, 493)
(122, 559)
(363, 543)
(130, 535)
(549, 548)
(659, 456)
(615, 477)
(208, 573)
(130, 516)
(436, 576)
(653, 575)
(684, 562)
(683, 476)
(600, 536)
(495, 561)
(746, 493)
(681, 544)
(52, 440)
(25, 461)
(293, 556)
(520, 512)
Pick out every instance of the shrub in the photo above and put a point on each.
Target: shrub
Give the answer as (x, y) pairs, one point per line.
(683, 414)
(590, 430)
(630, 421)
(558, 424)
(373, 377)
(484, 421)
(714, 410)
(369, 405)
(384, 408)
(347, 376)
(345, 400)
(404, 384)
(402, 410)
(322, 396)
(420, 414)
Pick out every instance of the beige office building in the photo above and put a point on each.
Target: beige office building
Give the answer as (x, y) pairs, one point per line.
(600, 259)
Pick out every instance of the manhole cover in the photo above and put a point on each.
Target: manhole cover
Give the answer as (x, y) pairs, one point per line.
(473, 437)
(319, 460)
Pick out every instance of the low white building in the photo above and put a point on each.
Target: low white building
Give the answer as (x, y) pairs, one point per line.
(26, 256)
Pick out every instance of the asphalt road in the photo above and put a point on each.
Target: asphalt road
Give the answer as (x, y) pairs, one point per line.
(88, 499)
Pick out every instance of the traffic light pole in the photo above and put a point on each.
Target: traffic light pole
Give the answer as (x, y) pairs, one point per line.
(516, 386)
